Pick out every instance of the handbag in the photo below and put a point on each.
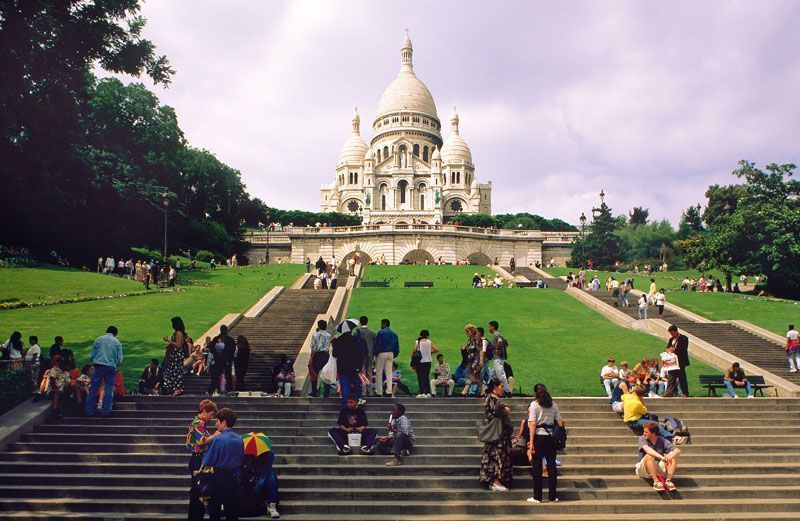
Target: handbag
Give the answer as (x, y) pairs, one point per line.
(202, 481)
(489, 430)
(328, 373)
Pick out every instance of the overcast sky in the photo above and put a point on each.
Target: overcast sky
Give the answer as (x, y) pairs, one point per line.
(652, 102)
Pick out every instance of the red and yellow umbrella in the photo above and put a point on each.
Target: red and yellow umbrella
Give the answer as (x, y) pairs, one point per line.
(256, 443)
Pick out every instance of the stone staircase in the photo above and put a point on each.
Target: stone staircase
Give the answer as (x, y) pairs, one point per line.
(728, 337)
(531, 275)
(280, 329)
(133, 465)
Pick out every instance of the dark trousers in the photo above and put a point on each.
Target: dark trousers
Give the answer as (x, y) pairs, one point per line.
(350, 385)
(214, 372)
(339, 437)
(197, 510)
(543, 445)
(395, 445)
(682, 380)
(241, 373)
(224, 493)
(424, 377)
(672, 383)
(403, 387)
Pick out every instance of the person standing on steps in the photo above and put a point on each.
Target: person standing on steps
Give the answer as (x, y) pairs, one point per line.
(496, 470)
(651, 293)
(793, 349)
(543, 416)
(225, 454)
(661, 300)
(177, 350)
(368, 336)
(681, 343)
(242, 361)
(641, 310)
(106, 355)
(347, 350)
(319, 357)
(425, 347)
(387, 348)
(499, 348)
(197, 440)
(308, 265)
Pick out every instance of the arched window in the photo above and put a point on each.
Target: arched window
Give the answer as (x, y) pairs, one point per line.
(458, 177)
(383, 201)
(386, 152)
(421, 201)
(379, 155)
(350, 178)
(425, 153)
(416, 150)
(401, 187)
(452, 177)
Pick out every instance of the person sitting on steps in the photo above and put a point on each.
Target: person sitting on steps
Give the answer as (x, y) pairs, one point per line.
(400, 440)
(609, 374)
(441, 373)
(352, 420)
(656, 454)
(635, 414)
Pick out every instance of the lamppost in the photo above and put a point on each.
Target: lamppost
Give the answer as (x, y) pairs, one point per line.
(582, 220)
(165, 201)
(269, 225)
(728, 209)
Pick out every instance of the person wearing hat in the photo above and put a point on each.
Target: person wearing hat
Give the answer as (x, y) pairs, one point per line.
(348, 352)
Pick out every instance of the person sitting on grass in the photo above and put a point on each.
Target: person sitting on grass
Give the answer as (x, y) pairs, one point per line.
(609, 374)
(634, 413)
(397, 382)
(441, 373)
(656, 454)
(400, 440)
(352, 420)
(735, 377)
(151, 378)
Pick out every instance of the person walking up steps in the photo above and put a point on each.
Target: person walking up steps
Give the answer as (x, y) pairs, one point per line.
(106, 355)
(424, 346)
(387, 348)
(499, 347)
(793, 349)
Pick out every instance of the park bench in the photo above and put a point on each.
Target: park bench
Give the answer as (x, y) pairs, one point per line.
(712, 382)
(374, 283)
(417, 284)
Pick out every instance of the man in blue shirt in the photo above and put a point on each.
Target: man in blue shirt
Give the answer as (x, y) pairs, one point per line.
(386, 349)
(106, 356)
(225, 453)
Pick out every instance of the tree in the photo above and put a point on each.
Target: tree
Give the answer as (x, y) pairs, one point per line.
(639, 215)
(648, 242)
(760, 234)
(602, 246)
(691, 222)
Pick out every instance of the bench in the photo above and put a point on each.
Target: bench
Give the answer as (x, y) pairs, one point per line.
(712, 382)
(374, 283)
(417, 284)
(529, 284)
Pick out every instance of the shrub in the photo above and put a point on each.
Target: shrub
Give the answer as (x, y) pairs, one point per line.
(15, 388)
(204, 256)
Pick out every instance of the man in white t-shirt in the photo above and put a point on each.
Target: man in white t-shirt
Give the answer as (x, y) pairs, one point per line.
(34, 352)
(670, 367)
(610, 375)
(793, 349)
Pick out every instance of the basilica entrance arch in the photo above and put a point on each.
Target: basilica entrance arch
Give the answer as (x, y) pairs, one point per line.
(417, 256)
(479, 258)
(363, 258)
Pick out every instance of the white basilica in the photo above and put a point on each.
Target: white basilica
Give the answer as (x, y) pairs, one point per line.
(407, 173)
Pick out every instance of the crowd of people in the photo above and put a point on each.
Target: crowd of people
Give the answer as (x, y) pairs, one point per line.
(366, 362)
(147, 272)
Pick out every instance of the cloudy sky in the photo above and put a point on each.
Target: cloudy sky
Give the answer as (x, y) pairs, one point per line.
(651, 102)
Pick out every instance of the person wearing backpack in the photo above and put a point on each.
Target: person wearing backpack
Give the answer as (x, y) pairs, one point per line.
(499, 351)
(543, 416)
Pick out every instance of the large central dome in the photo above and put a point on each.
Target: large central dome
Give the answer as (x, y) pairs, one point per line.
(406, 92)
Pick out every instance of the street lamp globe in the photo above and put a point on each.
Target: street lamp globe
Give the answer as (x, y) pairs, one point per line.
(165, 199)
(582, 219)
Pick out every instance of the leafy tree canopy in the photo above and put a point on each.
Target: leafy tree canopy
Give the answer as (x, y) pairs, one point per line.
(639, 215)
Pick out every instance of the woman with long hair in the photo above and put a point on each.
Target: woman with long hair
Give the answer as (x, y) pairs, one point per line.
(496, 468)
(543, 416)
(472, 358)
(12, 350)
(425, 347)
(241, 361)
(176, 351)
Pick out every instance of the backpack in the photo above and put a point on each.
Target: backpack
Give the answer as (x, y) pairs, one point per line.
(559, 435)
(677, 427)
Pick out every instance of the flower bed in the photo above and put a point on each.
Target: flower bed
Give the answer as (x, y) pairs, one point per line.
(17, 304)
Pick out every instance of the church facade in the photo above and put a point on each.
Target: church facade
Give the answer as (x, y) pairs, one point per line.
(407, 173)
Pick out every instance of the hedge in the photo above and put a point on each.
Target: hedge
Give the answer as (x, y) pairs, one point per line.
(15, 388)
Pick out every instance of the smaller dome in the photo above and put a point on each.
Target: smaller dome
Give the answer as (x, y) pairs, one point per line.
(354, 147)
(454, 148)
(436, 155)
(368, 156)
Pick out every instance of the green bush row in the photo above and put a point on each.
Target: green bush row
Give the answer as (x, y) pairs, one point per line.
(15, 388)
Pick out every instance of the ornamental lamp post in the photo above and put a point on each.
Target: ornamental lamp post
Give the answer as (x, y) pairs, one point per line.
(582, 220)
(165, 202)
(269, 225)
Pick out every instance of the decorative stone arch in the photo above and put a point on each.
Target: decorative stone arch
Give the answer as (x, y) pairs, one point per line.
(479, 258)
(451, 202)
(350, 203)
(365, 250)
(364, 258)
(418, 256)
(429, 247)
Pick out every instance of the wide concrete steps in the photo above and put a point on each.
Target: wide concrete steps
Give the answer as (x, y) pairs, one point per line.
(528, 273)
(136, 462)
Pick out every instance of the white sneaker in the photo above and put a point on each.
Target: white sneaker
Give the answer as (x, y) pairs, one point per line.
(735, 396)
(532, 500)
(272, 511)
(750, 396)
(498, 488)
(793, 370)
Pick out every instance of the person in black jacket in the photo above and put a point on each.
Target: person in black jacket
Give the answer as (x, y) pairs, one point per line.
(242, 361)
(681, 343)
(348, 353)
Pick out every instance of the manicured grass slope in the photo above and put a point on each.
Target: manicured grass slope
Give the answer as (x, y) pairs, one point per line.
(553, 338)
(143, 320)
(668, 281)
(442, 276)
(50, 282)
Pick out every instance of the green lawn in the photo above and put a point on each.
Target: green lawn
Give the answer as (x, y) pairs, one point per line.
(553, 338)
(442, 276)
(142, 320)
(668, 281)
(770, 313)
(49, 282)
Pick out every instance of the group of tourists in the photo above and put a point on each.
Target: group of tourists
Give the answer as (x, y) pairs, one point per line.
(482, 281)
(326, 275)
(146, 272)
